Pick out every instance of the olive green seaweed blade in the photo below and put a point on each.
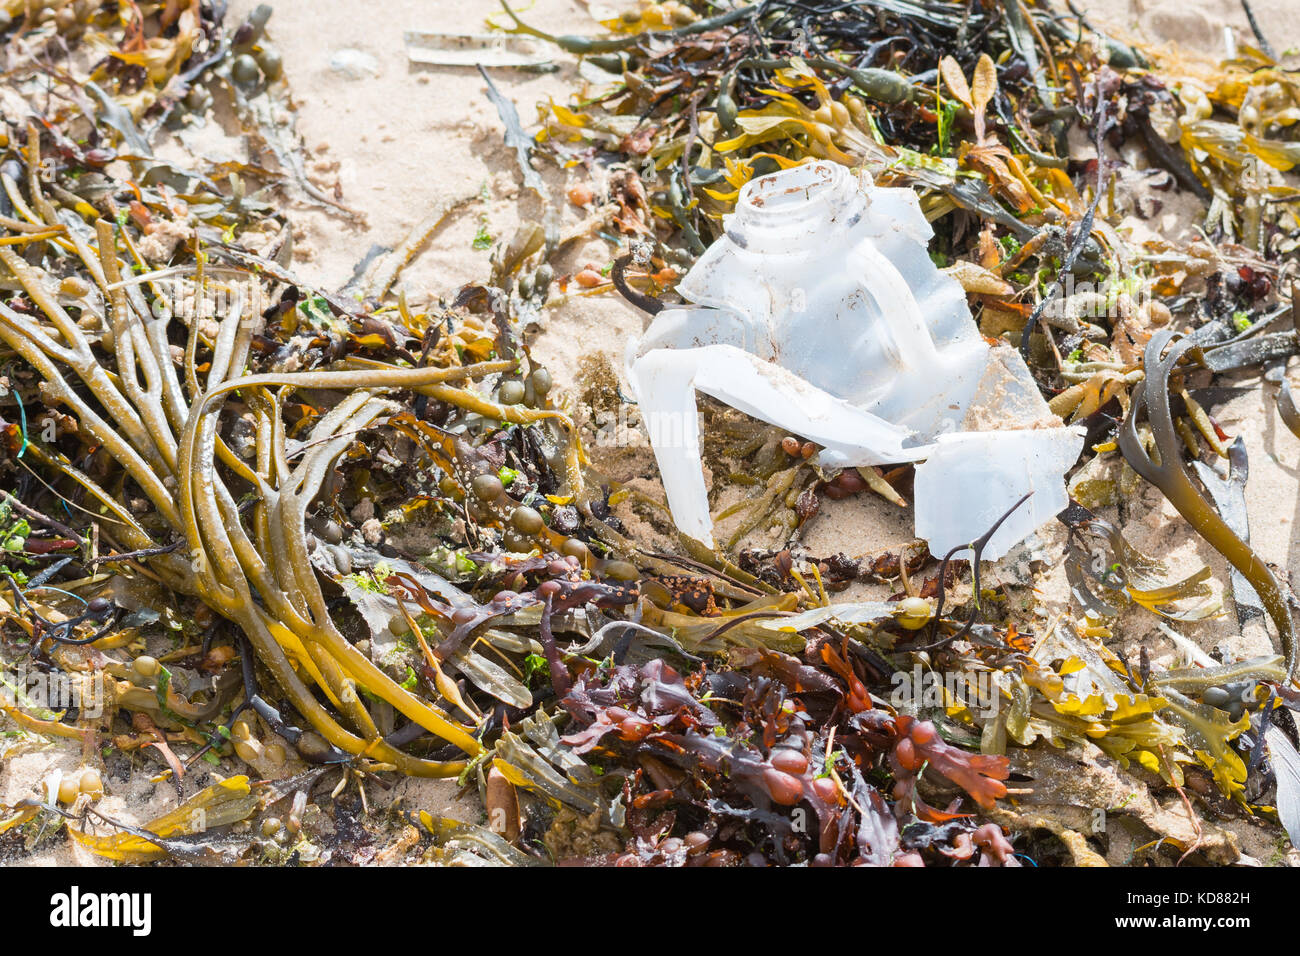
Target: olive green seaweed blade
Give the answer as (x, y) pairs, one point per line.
(1174, 480)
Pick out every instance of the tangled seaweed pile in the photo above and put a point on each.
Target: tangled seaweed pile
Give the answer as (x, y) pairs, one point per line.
(206, 462)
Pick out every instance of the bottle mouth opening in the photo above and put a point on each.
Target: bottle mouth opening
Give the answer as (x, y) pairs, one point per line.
(769, 206)
(791, 190)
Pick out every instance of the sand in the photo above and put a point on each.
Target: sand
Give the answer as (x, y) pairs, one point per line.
(1197, 24)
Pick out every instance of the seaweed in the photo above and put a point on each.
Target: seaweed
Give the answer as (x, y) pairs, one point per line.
(1168, 473)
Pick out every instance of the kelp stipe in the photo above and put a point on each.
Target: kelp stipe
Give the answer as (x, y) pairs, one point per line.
(1163, 354)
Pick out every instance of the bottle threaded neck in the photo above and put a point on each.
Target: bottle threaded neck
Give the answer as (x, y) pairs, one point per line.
(772, 211)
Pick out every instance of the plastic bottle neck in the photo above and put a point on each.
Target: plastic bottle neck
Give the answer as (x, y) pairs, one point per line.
(779, 213)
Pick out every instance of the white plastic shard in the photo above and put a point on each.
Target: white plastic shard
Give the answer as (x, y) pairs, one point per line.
(820, 311)
(973, 477)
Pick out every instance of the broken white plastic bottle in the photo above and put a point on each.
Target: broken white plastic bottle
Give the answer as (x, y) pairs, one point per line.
(820, 311)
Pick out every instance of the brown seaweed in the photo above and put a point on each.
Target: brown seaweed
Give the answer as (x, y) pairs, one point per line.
(1163, 353)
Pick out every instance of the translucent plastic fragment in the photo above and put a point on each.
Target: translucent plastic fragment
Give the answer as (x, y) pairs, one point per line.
(972, 478)
(820, 311)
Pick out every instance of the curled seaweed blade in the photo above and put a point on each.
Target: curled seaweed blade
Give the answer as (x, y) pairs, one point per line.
(1209, 732)
(1124, 572)
(747, 626)
(1195, 585)
(537, 762)
(218, 805)
(1197, 679)
(1081, 589)
(1163, 354)
(486, 846)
